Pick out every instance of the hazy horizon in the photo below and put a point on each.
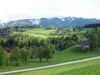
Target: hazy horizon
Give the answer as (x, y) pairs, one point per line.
(22, 9)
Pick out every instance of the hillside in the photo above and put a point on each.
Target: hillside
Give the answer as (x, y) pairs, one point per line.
(37, 42)
(70, 54)
(83, 68)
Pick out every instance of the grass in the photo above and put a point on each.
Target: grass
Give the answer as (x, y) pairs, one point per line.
(84, 68)
(44, 33)
(70, 54)
(40, 33)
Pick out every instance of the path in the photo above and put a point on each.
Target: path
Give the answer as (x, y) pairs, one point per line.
(55, 65)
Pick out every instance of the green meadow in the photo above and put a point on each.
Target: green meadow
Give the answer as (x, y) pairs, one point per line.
(83, 68)
(72, 53)
(39, 33)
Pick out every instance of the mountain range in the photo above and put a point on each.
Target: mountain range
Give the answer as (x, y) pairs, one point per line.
(55, 21)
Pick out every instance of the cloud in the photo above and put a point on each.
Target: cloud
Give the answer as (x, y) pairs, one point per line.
(17, 9)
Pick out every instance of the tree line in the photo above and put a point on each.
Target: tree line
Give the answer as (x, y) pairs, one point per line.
(23, 55)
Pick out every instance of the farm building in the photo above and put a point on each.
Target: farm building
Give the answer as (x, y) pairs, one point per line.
(85, 44)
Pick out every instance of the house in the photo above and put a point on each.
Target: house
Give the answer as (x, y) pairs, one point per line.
(61, 32)
(85, 44)
(8, 50)
(20, 28)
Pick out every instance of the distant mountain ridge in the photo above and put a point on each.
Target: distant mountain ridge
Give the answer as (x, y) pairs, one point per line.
(55, 21)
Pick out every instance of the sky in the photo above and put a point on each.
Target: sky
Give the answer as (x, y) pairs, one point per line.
(21, 9)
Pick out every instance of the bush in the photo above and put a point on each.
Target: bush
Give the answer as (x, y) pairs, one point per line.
(4, 57)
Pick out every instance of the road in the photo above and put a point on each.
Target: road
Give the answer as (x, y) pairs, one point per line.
(55, 65)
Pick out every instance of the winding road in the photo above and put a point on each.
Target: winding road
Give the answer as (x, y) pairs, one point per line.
(55, 65)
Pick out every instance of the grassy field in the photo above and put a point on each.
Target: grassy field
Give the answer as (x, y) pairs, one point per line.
(44, 33)
(83, 68)
(70, 54)
(39, 32)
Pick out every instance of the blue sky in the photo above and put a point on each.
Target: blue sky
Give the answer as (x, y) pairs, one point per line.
(19, 9)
